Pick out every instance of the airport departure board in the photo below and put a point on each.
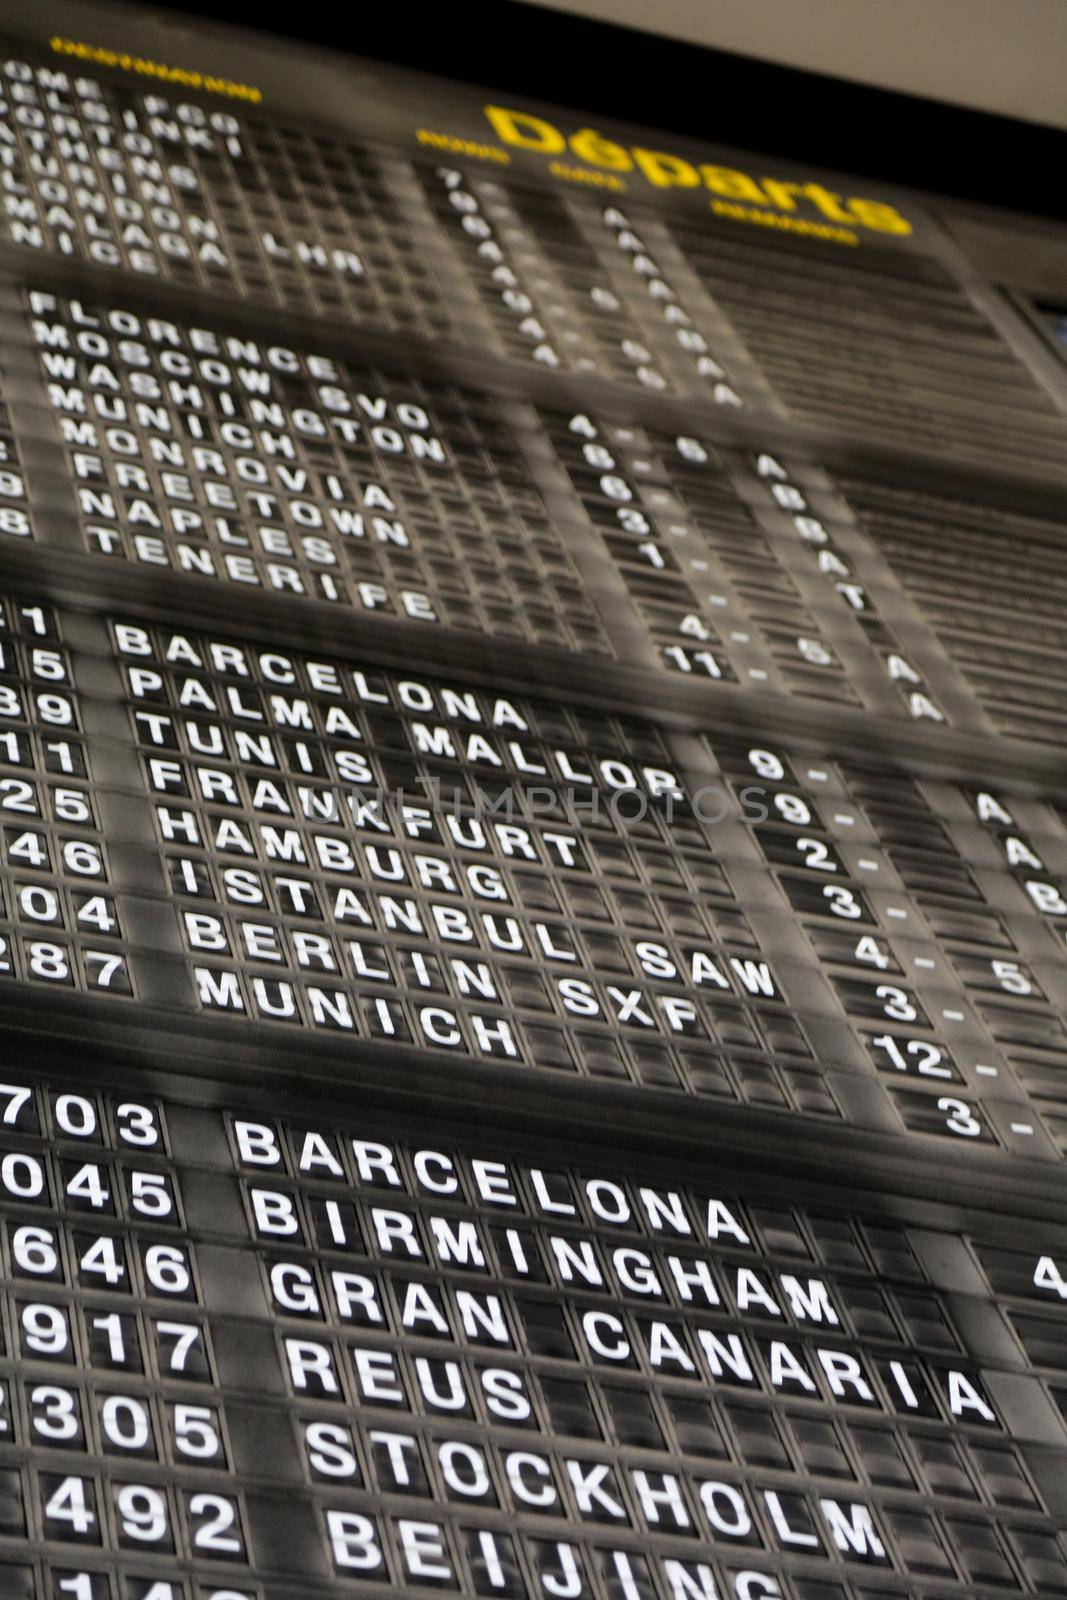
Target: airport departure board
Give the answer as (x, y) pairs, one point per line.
(533, 851)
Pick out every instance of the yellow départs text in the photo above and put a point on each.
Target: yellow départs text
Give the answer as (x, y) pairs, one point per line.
(666, 171)
(100, 56)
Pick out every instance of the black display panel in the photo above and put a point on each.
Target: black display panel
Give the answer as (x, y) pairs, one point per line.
(220, 453)
(984, 574)
(257, 1353)
(880, 343)
(227, 457)
(533, 866)
(281, 841)
(228, 200)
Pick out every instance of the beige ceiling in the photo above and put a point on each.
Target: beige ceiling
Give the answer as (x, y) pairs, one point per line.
(1005, 56)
